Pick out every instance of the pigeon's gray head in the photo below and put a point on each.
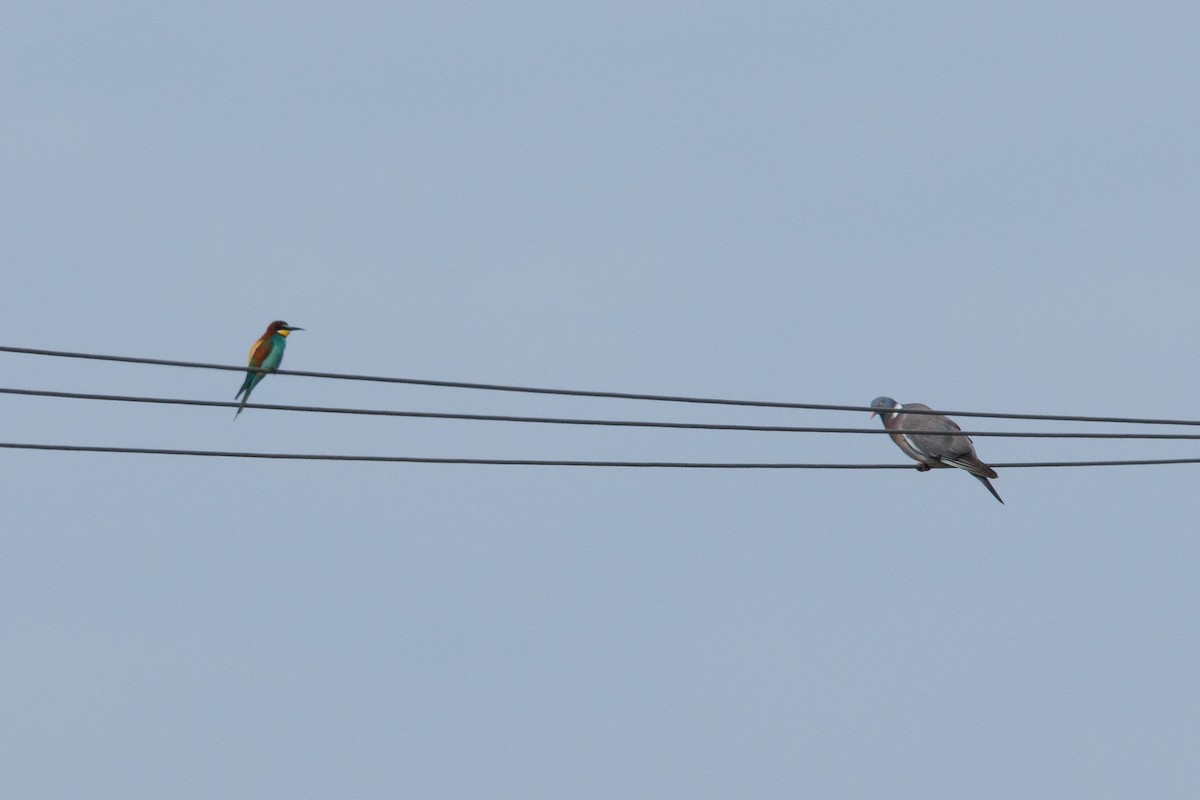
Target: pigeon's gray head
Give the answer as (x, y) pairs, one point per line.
(883, 404)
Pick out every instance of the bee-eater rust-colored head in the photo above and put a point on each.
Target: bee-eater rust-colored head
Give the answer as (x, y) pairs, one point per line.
(280, 327)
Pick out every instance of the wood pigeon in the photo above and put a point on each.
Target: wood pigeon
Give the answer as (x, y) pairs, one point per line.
(939, 447)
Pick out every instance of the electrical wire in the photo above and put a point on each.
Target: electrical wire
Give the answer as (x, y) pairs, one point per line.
(590, 393)
(518, 462)
(707, 426)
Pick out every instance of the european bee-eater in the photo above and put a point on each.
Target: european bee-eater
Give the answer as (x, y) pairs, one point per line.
(267, 353)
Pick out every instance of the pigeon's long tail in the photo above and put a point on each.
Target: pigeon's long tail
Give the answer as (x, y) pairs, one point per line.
(989, 486)
(973, 465)
(977, 468)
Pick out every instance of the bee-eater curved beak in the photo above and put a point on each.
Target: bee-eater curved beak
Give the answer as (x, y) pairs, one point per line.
(293, 328)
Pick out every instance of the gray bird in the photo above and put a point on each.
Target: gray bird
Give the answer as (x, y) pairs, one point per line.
(938, 448)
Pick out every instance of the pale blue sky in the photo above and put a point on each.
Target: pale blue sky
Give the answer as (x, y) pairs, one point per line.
(981, 207)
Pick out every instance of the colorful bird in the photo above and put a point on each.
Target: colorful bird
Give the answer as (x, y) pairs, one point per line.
(931, 440)
(266, 353)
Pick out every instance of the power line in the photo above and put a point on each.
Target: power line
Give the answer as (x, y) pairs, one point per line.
(591, 393)
(518, 462)
(707, 426)
(430, 460)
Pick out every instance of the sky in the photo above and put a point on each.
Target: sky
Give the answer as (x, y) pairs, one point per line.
(972, 206)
